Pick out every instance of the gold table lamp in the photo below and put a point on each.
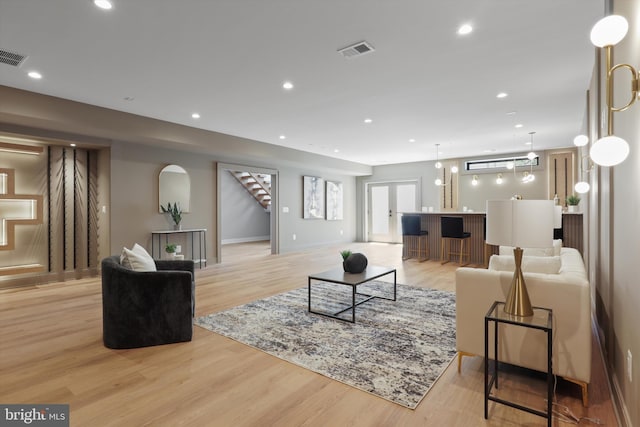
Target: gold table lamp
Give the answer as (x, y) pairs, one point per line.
(520, 223)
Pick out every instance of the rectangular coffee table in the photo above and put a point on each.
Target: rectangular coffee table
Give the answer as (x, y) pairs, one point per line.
(337, 275)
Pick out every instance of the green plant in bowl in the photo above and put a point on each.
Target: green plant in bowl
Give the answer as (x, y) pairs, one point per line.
(573, 200)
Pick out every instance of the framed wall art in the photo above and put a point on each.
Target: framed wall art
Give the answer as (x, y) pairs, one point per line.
(313, 197)
(334, 200)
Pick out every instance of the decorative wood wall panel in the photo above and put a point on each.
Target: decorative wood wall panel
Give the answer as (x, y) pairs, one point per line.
(572, 231)
(561, 176)
(73, 208)
(66, 245)
(448, 198)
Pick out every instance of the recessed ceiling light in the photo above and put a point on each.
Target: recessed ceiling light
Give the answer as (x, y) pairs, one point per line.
(129, 98)
(336, 151)
(465, 29)
(511, 113)
(502, 95)
(287, 85)
(195, 115)
(368, 120)
(73, 145)
(103, 4)
(527, 143)
(34, 75)
(519, 125)
(412, 140)
(282, 137)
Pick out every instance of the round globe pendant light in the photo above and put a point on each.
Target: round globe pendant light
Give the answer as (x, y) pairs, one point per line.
(609, 151)
(582, 187)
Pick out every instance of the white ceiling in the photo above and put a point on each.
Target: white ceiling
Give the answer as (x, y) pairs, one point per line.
(227, 60)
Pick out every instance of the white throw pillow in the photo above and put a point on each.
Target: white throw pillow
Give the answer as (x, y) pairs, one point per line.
(557, 245)
(530, 264)
(538, 252)
(137, 259)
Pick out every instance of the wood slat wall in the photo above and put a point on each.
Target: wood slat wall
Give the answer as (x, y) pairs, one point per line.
(473, 223)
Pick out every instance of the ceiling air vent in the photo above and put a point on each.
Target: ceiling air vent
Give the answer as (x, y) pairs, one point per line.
(11, 58)
(356, 49)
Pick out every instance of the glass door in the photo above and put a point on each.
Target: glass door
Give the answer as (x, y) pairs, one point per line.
(386, 202)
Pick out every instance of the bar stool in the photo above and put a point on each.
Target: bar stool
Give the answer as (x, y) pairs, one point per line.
(452, 228)
(413, 238)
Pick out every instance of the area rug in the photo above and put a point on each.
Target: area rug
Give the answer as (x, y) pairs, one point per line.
(396, 349)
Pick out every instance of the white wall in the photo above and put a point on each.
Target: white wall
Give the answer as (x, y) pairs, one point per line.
(623, 226)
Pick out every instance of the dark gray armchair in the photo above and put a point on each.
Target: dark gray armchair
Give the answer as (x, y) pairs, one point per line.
(141, 309)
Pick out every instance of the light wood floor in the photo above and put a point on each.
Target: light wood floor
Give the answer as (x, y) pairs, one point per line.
(51, 352)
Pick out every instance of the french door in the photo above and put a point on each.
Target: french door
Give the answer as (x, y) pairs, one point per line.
(385, 203)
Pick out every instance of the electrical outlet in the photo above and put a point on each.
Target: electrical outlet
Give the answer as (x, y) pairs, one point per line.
(629, 365)
(294, 236)
(285, 209)
(341, 232)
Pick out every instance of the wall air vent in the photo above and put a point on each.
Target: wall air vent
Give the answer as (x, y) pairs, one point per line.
(357, 49)
(11, 58)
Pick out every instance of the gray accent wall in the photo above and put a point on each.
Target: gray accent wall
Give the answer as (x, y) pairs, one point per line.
(243, 218)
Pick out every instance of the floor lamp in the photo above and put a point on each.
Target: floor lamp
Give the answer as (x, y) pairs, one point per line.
(520, 223)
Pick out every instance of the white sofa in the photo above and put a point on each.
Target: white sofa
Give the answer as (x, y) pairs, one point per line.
(567, 293)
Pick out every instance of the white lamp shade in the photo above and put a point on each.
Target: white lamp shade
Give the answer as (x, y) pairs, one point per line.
(609, 151)
(582, 187)
(557, 217)
(520, 223)
(609, 31)
(581, 140)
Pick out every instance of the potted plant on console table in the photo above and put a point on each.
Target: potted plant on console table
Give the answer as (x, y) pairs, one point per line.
(572, 203)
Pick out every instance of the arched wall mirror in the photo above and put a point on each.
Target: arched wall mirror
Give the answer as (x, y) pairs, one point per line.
(174, 187)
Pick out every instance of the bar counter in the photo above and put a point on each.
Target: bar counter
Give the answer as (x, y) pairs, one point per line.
(474, 223)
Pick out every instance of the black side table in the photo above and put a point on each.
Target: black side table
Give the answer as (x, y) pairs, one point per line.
(542, 319)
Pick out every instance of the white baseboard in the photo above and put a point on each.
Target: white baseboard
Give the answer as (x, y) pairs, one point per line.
(623, 412)
(244, 240)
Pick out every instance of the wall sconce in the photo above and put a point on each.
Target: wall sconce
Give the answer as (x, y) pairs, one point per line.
(474, 180)
(583, 186)
(580, 140)
(606, 33)
(499, 179)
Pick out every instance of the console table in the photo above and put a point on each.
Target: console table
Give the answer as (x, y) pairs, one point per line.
(202, 242)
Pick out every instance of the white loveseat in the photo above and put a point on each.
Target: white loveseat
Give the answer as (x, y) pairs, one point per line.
(566, 293)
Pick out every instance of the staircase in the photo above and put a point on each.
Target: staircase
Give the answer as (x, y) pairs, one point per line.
(258, 185)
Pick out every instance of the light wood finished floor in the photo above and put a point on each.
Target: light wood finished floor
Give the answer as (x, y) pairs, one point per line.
(51, 352)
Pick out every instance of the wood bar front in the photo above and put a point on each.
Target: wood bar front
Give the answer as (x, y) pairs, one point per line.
(474, 224)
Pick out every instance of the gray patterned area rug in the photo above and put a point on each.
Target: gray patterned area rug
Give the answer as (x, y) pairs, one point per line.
(396, 349)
